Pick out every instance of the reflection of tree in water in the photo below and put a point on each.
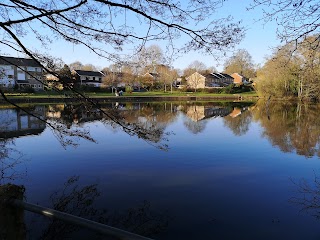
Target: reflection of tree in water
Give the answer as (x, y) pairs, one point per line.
(61, 119)
(195, 113)
(73, 117)
(140, 220)
(308, 196)
(9, 159)
(79, 201)
(238, 121)
(194, 127)
(73, 200)
(142, 122)
(291, 126)
(147, 121)
(67, 124)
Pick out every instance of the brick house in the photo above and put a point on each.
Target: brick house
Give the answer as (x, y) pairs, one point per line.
(238, 78)
(197, 80)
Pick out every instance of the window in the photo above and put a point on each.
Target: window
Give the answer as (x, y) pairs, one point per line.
(10, 76)
(93, 78)
(39, 85)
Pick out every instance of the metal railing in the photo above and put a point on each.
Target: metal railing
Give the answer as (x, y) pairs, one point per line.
(115, 233)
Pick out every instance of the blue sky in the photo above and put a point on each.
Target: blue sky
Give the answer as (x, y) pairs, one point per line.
(258, 41)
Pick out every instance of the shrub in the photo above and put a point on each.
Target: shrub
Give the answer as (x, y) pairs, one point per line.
(128, 89)
(182, 88)
(229, 89)
(27, 90)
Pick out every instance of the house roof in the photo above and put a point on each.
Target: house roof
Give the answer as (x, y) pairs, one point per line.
(219, 75)
(27, 62)
(226, 75)
(89, 73)
(154, 75)
(239, 75)
(215, 75)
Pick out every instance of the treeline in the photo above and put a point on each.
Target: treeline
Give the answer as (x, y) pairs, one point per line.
(292, 71)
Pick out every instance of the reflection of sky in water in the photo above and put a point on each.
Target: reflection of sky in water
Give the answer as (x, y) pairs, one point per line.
(8, 120)
(24, 122)
(214, 184)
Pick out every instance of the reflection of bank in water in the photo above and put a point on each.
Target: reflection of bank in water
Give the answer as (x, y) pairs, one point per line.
(16, 123)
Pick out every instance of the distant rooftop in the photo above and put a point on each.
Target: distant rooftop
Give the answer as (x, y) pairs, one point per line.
(89, 73)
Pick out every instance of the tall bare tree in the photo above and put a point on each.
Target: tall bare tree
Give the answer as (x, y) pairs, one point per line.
(167, 75)
(89, 67)
(295, 19)
(77, 65)
(198, 66)
(241, 62)
(292, 71)
(195, 66)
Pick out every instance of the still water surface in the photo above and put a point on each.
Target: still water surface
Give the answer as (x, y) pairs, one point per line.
(196, 171)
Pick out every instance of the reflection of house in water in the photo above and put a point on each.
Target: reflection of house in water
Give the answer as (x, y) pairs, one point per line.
(73, 113)
(16, 123)
(238, 111)
(54, 111)
(197, 113)
(88, 115)
(235, 113)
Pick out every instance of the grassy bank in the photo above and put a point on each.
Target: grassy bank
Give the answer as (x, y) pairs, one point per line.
(133, 94)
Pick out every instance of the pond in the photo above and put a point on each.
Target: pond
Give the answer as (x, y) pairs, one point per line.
(177, 170)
